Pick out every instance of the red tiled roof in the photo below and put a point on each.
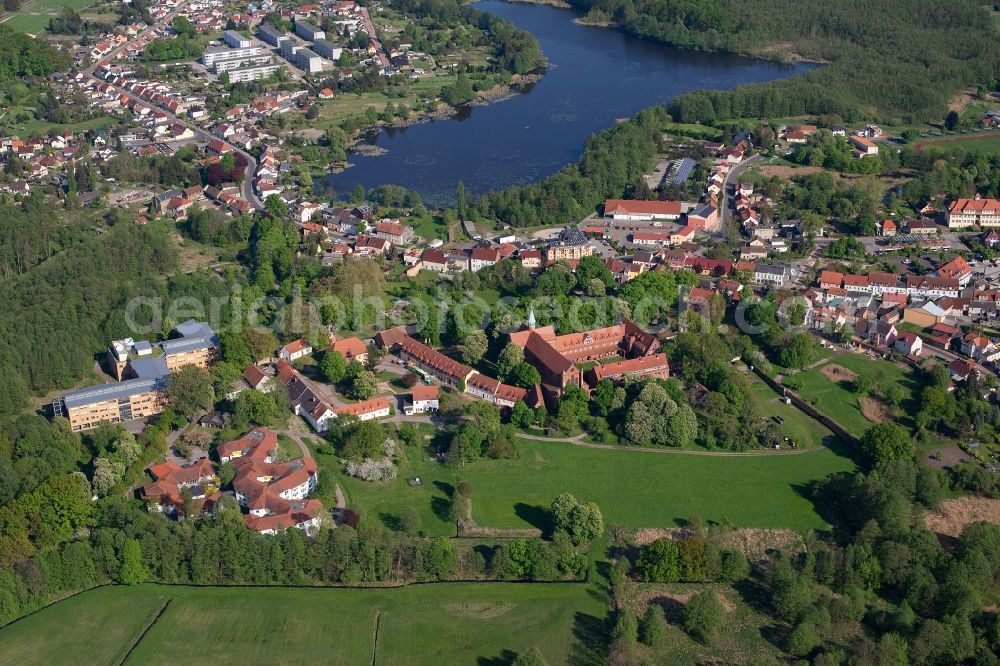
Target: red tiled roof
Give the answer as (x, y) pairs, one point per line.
(433, 358)
(634, 365)
(350, 347)
(295, 346)
(636, 207)
(974, 206)
(424, 393)
(366, 407)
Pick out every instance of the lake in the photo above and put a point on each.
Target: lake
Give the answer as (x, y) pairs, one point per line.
(596, 76)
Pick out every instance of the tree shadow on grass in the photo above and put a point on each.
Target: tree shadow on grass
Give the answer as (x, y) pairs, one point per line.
(673, 609)
(445, 487)
(441, 506)
(506, 658)
(391, 521)
(590, 645)
(536, 516)
(842, 448)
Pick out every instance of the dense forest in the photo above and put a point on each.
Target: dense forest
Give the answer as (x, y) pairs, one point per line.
(20, 55)
(903, 58)
(57, 314)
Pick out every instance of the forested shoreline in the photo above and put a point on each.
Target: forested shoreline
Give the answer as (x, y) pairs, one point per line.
(888, 62)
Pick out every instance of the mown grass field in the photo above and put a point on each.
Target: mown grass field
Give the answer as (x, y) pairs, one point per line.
(427, 624)
(836, 400)
(988, 142)
(633, 488)
(805, 431)
(33, 17)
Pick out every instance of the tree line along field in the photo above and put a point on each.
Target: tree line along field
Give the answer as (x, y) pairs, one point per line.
(634, 488)
(426, 624)
(835, 397)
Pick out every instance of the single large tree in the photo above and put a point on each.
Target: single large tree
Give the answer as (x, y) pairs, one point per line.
(133, 569)
(189, 390)
(704, 616)
(885, 442)
(474, 347)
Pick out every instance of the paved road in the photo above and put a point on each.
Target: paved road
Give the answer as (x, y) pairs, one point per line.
(729, 187)
(246, 188)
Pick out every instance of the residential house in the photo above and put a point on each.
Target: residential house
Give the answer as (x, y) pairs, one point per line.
(423, 399)
(770, 274)
(395, 233)
(352, 349)
(367, 410)
(295, 350)
(482, 257)
(909, 343)
(434, 260)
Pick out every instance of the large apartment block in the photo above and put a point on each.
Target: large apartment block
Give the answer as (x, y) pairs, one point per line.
(217, 53)
(253, 73)
(114, 403)
(229, 65)
(142, 369)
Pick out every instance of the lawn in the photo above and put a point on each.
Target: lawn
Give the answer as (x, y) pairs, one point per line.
(427, 624)
(430, 228)
(804, 430)
(836, 400)
(634, 488)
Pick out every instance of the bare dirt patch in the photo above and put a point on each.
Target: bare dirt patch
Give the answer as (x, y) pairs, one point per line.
(838, 373)
(953, 515)
(947, 457)
(754, 543)
(785, 172)
(962, 100)
(874, 409)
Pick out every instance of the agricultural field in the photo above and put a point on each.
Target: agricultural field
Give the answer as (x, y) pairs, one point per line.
(664, 489)
(427, 624)
(828, 388)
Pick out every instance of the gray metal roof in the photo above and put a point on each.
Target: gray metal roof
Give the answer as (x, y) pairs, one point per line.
(149, 367)
(113, 391)
(152, 371)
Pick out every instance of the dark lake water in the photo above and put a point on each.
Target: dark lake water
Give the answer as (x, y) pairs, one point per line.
(596, 76)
